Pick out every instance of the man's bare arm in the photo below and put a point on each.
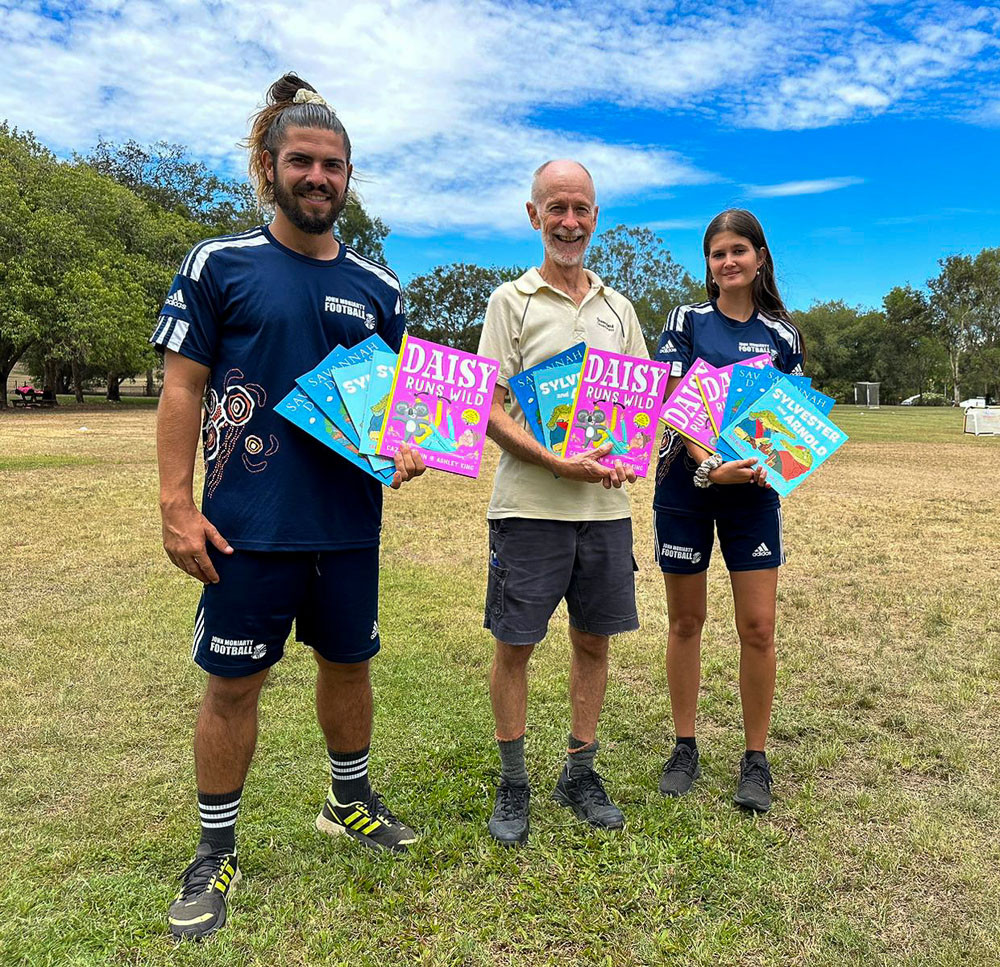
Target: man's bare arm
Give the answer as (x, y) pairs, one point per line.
(178, 428)
(513, 438)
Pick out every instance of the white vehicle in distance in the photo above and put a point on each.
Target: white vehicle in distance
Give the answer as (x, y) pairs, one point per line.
(979, 402)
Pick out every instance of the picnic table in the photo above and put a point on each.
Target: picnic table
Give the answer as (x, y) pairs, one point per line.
(27, 396)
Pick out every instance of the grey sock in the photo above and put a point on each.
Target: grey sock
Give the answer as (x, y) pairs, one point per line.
(580, 755)
(512, 765)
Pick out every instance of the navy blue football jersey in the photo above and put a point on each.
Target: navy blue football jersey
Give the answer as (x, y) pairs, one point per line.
(703, 331)
(258, 315)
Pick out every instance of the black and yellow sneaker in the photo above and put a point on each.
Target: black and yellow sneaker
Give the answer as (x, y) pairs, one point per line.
(369, 822)
(199, 909)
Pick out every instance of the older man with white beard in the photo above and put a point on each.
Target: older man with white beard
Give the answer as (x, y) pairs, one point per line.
(552, 533)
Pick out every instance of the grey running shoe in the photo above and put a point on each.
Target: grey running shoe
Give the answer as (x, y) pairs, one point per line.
(509, 822)
(199, 909)
(754, 788)
(680, 771)
(371, 823)
(583, 791)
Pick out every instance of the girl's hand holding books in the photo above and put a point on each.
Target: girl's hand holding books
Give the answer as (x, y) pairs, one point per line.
(740, 472)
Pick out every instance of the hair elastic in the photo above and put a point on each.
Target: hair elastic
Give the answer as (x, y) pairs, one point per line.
(303, 96)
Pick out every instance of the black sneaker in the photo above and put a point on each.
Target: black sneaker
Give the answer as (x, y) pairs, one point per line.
(584, 793)
(754, 788)
(369, 822)
(680, 771)
(509, 822)
(199, 909)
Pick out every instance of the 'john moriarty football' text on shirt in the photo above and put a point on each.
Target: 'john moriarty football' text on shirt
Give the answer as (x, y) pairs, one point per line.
(258, 315)
(702, 331)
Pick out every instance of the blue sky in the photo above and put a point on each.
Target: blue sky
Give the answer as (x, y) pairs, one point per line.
(864, 135)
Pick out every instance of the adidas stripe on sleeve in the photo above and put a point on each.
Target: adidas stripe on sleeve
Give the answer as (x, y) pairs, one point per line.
(188, 321)
(789, 342)
(392, 326)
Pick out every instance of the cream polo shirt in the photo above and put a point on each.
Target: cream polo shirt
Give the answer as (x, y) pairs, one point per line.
(527, 321)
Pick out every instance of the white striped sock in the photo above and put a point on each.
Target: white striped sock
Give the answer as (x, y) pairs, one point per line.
(352, 770)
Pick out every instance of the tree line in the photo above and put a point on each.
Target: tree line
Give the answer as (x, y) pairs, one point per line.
(940, 343)
(88, 248)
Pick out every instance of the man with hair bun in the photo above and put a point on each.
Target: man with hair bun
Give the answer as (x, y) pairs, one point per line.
(288, 531)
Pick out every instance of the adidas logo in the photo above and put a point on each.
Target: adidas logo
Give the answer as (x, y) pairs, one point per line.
(374, 633)
(762, 551)
(668, 347)
(176, 299)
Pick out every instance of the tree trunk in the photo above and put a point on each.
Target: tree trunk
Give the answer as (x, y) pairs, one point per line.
(77, 381)
(150, 385)
(50, 373)
(10, 353)
(5, 369)
(114, 388)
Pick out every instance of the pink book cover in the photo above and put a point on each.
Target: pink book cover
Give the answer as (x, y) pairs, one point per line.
(617, 400)
(685, 410)
(714, 386)
(439, 404)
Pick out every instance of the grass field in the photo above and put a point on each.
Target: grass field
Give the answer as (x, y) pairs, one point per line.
(882, 847)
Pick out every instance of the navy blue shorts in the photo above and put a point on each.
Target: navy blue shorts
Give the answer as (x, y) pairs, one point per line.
(750, 541)
(534, 564)
(243, 622)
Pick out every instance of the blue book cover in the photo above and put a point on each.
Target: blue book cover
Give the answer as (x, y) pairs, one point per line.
(741, 386)
(748, 383)
(352, 381)
(821, 401)
(382, 369)
(728, 453)
(556, 393)
(522, 385)
(788, 433)
(320, 386)
(297, 408)
(752, 383)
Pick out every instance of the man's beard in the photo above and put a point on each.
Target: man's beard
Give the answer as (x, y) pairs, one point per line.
(316, 224)
(558, 256)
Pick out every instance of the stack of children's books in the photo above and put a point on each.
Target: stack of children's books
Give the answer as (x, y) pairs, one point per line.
(581, 399)
(752, 410)
(363, 402)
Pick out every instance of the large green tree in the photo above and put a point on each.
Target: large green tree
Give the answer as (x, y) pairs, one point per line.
(163, 174)
(912, 361)
(72, 243)
(965, 319)
(88, 248)
(448, 304)
(841, 346)
(637, 263)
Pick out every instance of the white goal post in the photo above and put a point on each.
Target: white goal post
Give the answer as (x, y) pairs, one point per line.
(982, 422)
(866, 394)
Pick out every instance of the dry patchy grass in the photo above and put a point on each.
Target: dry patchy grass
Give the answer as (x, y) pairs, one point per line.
(881, 848)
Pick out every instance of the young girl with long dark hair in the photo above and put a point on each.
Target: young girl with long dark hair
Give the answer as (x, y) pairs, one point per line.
(698, 493)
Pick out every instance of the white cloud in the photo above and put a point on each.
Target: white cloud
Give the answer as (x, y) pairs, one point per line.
(813, 187)
(926, 59)
(678, 224)
(452, 104)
